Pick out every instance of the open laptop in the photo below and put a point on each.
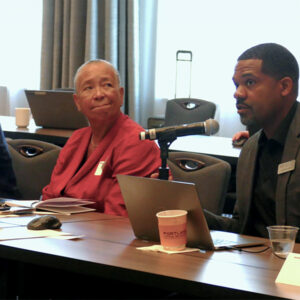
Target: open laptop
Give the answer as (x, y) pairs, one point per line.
(144, 197)
(55, 109)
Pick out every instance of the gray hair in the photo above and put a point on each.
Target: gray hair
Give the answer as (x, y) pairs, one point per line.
(95, 61)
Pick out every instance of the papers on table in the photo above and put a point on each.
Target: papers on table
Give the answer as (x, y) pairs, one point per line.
(16, 210)
(290, 270)
(16, 233)
(60, 205)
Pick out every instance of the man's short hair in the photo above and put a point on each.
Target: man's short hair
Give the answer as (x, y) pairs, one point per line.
(277, 61)
(95, 61)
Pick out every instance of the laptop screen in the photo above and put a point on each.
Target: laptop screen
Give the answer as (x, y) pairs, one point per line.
(55, 109)
(144, 197)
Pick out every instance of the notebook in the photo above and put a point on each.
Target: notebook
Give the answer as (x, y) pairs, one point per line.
(55, 109)
(144, 197)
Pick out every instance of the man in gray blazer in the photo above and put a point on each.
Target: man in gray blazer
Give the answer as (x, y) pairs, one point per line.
(268, 173)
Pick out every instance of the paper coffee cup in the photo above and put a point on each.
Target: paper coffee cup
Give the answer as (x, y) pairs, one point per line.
(172, 229)
(22, 116)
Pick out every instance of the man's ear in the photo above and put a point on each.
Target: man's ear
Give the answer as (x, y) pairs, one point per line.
(287, 85)
(75, 98)
(121, 91)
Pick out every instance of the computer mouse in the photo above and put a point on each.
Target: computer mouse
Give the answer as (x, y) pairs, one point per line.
(44, 222)
(240, 142)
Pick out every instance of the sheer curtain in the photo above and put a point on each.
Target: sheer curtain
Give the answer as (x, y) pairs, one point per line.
(20, 34)
(116, 30)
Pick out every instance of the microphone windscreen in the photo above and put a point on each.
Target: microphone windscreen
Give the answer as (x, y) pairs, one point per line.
(212, 126)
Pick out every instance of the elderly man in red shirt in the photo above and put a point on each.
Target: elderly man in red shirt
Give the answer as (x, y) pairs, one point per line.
(89, 162)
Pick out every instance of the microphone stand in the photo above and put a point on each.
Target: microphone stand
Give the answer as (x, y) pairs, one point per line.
(164, 141)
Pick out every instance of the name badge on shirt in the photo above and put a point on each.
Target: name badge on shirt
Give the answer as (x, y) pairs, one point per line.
(100, 168)
(286, 167)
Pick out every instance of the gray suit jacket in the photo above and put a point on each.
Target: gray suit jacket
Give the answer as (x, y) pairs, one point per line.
(287, 191)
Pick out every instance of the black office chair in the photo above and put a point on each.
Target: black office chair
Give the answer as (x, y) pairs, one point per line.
(210, 175)
(33, 162)
(188, 110)
(155, 122)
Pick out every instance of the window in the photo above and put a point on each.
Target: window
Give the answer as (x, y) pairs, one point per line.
(217, 32)
(20, 35)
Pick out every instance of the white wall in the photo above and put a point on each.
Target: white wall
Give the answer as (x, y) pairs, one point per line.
(217, 32)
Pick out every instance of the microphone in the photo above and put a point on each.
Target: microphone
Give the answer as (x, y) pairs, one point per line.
(208, 127)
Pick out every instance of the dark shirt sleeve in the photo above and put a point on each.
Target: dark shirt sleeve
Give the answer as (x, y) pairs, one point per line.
(8, 184)
(216, 222)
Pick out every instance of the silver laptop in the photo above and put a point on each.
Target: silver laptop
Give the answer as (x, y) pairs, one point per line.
(144, 197)
(55, 109)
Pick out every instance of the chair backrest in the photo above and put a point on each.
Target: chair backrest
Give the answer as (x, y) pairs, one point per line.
(188, 110)
(210, 175)
(33, 162)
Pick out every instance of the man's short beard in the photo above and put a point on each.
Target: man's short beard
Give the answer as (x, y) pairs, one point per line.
(248, 122)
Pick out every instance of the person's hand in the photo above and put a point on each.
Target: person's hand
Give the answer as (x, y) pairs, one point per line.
(155, 176)
(241, 134)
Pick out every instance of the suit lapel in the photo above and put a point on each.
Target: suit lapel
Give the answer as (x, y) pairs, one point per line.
(245, 177)
(289, 153)
(96, 157)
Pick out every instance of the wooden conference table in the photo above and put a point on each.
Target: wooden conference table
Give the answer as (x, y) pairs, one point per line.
(50, 135)
(220, 147)
(106, 264)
